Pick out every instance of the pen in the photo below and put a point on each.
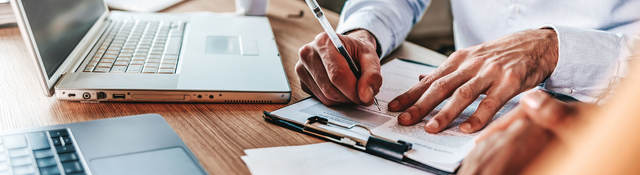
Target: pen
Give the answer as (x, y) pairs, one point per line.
(317, 11)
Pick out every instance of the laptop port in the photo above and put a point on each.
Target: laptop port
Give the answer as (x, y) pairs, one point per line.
(118, 96)
(101, 95)
(86, 95)
(72, 95)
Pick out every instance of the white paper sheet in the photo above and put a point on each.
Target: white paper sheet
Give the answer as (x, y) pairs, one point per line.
(320, 159)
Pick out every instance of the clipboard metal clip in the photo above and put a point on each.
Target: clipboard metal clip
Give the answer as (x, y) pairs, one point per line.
(374, 144)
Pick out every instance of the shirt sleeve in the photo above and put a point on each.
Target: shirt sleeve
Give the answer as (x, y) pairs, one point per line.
(390, 21)
(590, 62)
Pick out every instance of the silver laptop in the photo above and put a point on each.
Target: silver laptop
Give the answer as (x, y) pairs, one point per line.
(139, 145)
(87, 53)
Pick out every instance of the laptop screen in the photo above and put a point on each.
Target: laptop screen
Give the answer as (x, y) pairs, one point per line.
(59, 25)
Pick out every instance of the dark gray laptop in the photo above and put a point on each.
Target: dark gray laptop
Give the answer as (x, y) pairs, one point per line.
(143, 144)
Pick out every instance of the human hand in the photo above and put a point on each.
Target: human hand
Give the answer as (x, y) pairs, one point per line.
(509, 144)
(325, 73)
(507, 151)
(537, 106)
(500, 69)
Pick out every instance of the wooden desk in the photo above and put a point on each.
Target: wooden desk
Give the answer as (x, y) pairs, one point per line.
(217, 133)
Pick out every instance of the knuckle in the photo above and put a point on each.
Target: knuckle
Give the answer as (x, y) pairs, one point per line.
(512, 77)
(444, 117)
(300, 69)
(322, 36)
(466, 92)
(440, 84)
(337, 76)
(416, 110)
(490, 103)
(306, 53)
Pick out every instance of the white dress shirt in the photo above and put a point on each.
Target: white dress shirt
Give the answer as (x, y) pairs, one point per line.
(595, 36)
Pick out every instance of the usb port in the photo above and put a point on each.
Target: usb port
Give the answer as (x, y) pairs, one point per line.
(72, 95)
(118, 96)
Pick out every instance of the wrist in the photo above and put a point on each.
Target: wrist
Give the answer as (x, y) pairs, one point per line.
(550, 50)
(364, 36)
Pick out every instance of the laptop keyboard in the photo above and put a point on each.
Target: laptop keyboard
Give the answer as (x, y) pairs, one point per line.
(34, 153)
(138, 46)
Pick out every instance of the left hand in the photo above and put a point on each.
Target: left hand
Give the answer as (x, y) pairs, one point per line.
(508, 145)
(500, 69)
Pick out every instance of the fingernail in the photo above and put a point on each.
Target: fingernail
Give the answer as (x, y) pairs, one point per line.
(404, 118)
(394, 104)
(466, 127)
(367, 95)
(433, 125)
(533, 99)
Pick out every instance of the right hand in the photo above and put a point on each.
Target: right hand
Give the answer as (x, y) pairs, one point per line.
(325, 73)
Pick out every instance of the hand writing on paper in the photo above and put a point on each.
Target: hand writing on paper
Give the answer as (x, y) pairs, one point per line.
(325, 73)
(501, 69)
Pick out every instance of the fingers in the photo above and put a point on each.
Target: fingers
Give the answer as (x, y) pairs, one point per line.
(313, 64)
(370, 79)
(502, 123)
(461, 98)
(495, 99)
(412, 95)
(308, 83)
(433, 96)
(544, 109)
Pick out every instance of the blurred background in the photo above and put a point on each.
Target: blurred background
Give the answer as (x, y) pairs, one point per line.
(434, 31)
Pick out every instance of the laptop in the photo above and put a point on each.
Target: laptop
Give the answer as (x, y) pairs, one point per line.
(143, 144)
(87, 53)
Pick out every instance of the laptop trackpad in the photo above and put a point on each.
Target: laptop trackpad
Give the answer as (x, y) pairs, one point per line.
(166, 161)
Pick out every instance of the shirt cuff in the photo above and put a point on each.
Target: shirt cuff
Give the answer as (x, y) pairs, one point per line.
(364, 19)
(587, 62)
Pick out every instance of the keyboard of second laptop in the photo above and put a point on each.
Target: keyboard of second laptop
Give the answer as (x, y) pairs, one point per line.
(138, 46)
(45, 152)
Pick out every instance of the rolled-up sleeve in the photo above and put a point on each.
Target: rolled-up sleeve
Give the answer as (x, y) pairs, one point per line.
(590, 62)
(390, 21)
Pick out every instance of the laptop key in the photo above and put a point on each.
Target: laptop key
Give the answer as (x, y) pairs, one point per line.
(14, 141)
(165, 71)
(43, 153)
(65, 149)
(101, 69)
(38, 140)
(56, 141)
(66, 140)
(53, 170)
(19, 152)
(68, 157)
(58, 133)
(27, 169)
(134, 68)
(72, 167)
(21, 161)
(45, 162)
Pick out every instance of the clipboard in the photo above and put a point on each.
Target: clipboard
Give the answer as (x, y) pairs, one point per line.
(386, 148)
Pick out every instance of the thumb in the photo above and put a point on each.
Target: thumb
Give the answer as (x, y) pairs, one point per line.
(547, 111)
(370, 79)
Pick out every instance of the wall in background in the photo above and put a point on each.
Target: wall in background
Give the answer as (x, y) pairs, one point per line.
(434, 31)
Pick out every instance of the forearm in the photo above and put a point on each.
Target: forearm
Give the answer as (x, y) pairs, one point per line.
(390, 21)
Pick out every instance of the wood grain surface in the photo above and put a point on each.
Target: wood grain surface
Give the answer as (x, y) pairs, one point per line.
(216, 133)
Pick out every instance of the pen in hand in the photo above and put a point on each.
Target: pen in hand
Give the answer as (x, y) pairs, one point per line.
(317, 11)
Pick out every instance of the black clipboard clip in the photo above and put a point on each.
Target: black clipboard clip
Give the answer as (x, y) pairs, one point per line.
(374, 144)
(389, 149)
